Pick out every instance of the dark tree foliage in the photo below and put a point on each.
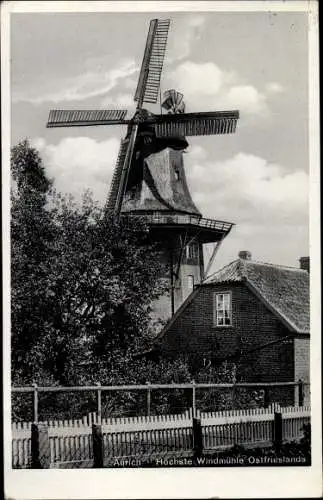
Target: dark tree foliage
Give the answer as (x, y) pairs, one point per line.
(31, 233)
(28, 172)
(82, 283)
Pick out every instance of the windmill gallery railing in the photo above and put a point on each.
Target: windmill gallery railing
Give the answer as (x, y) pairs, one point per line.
(183, 220)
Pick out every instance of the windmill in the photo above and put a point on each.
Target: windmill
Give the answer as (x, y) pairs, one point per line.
(149, 179)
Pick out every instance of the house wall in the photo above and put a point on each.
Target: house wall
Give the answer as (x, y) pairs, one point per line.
(253, 326)
(302, 358)
(302, 364)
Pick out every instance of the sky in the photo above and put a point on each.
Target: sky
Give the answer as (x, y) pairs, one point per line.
(256, 62)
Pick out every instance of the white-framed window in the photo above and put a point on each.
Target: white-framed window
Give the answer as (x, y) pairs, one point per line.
(222, 309)
(190, 282)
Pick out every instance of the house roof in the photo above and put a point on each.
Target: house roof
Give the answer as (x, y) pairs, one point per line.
(285, 290)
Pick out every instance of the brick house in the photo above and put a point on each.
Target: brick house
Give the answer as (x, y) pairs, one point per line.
(253, 313)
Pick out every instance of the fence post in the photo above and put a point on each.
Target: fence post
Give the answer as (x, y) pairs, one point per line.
(300, 393)
(266, 397)
(278, 428)
(197, 438)
(99, 400)
(98, 451)
(40, 447)
(193, 399)
(148, 398)
(35, 393)
(234, 395)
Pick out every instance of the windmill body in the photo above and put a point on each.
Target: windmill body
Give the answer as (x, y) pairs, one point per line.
(149, 179)
(157, 191)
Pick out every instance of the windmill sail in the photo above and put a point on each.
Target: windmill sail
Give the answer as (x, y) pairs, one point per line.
(86, 117)
(147, 91)
(120, 176)
(115, 182)
(189, 124)
(152, 63)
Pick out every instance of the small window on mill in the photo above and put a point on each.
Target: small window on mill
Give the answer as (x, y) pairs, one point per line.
(190, 282)
(192, 251)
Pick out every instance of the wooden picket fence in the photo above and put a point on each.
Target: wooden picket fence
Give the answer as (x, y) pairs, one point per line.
(70, 443)
(252, 427)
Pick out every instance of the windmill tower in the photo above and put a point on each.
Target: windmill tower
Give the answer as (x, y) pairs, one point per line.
(149, 178)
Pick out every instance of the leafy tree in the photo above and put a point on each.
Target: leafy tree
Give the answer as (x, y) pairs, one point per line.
(30, 234)
(28, 171)
(101, 279)
(82, 282)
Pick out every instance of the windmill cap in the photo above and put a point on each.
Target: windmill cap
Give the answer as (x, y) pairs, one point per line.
(245, 255)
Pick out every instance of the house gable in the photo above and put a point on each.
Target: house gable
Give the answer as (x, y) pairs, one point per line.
(285, 290)
(194, 332)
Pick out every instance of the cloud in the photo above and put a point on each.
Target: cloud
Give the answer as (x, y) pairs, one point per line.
(79, 163)
(208, 87)
(268, 204)
(130, 84)
(92, 80)
(183, 37)
(38, 143)
(274, 88)
(92, 83)
(196, 153)
(246, 98)
(244, 188)
(204, 79)
(250, 190)
(124, 100)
